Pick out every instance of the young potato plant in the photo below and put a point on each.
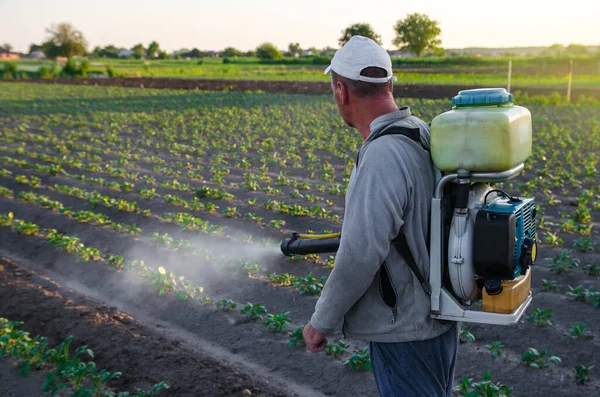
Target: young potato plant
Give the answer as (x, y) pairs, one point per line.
(583, 245)
(283, 280)
(563, 262)
(336, 349)
(540, 318)
(495, 348)
(254, 311)
(360, 360)
(579, 331)
(551, 286)
(538, 359)
(484, 388)
(4, 192)
(582, 374)
(588, 295)
(591, 269)
(225, 305)
(277, 322)
(25, 228)
(465, 335)
(161, 280)
(296, 338)
(310, 285)
(67, 369)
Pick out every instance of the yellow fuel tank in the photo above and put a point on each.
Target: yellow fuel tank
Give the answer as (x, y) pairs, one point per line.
(514, 292)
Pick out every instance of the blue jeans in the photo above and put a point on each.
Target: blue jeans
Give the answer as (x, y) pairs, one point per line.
(416, 369)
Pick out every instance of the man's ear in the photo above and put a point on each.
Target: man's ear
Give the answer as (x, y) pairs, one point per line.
(343, 93)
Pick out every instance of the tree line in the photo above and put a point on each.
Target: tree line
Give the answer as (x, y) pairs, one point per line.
(416, 34)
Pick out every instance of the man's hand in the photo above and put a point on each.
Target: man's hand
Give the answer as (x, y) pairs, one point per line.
(315, 341)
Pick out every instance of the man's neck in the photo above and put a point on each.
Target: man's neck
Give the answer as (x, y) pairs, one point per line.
(370, 111)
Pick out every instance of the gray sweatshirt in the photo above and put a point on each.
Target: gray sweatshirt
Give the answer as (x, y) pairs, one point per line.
(391, 189)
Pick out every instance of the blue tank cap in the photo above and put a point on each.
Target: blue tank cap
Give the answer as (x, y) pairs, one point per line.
(483, 96)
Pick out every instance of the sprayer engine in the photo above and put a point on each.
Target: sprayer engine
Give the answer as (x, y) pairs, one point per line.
(491, 246)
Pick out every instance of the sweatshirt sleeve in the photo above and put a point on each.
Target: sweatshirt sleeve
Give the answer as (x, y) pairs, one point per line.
(375, 205)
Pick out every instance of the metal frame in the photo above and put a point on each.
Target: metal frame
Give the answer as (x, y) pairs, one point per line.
(443, 305)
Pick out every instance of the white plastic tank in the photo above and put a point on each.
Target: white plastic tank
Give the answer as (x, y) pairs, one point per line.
(483, 132)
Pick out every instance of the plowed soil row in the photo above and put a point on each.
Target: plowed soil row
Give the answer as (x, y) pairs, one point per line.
(145, 354)
(287, 87)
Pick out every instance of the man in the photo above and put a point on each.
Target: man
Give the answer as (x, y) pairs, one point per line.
(371, 288)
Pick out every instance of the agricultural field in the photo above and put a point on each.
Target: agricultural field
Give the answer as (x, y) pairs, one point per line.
(146, 224)
(527, 72)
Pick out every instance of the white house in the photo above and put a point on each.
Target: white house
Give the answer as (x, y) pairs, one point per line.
(36, 55)
(125, 53)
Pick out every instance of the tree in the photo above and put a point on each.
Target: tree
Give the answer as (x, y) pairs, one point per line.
(34, 48)
(230, 52)
(555, 50)
(267, 51)
(7, 47)
(153, 49)
(294, 48)
(360, 29)
(138, 51)
(195, 53)
(417, 33)
(64, 41)
(577, 49)
(163, 55)
(327, 51)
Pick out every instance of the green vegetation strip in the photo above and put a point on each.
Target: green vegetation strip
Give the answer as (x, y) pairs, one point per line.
(66, 368)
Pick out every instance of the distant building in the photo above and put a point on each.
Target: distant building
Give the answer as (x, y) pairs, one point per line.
(211, 54)
(7, 55)
(307, 53)
(36, 55)
(125, 53)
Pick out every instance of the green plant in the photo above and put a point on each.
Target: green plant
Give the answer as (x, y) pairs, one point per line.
(538, 359)
(360, 360)
(465, 335)
(540, 318)
(225, 304)
(484, 388)
(161, 280)
(495, 348)
(310, 285)
(591, 269)
(553, 239)
(254, 311)
(551, 286)
(563, 262)
(583, 245)
(579, 331)
(284, 279)
(277, 322)
(336, 349)
(296, 337)
(582, 374)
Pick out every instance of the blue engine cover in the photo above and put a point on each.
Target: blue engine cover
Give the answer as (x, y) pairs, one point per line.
(524, 212)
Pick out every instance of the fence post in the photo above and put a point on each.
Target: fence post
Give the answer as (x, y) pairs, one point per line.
(509, 75)
(570, 81)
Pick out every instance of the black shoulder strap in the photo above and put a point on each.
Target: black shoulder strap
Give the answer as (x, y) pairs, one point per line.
(402, 246)
(412, 133)
(400, 241)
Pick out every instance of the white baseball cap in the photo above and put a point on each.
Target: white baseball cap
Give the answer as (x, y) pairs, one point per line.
(357, 54)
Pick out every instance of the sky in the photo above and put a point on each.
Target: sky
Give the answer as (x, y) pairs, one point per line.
(244, 24)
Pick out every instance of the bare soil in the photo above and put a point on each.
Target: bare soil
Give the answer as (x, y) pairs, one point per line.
(287, 87)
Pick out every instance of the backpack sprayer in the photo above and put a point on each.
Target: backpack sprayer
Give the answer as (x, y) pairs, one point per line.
(482, 240)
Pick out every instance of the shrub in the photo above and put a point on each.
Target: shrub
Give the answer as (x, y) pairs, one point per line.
(9, 70)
